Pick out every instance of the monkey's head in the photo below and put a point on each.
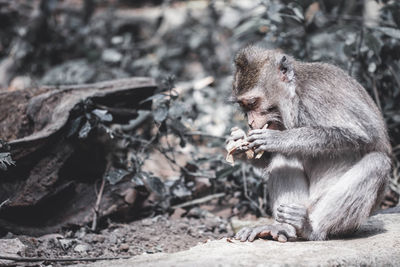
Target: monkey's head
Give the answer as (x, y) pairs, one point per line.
(263, 83)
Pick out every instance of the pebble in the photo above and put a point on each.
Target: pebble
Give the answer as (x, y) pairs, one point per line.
(147, 222)
(66, 243)
(81, 248)
(111, 56)
(124, 247)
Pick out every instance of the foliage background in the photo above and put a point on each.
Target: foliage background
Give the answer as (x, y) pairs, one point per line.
(188, 47)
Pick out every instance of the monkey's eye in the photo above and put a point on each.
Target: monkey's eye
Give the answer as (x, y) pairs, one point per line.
(251, 105)
(270, 110)
(284, 70)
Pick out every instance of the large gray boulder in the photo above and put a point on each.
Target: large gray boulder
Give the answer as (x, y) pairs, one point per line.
(376, 243)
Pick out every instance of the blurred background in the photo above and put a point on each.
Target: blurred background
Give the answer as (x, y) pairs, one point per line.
(158, 152)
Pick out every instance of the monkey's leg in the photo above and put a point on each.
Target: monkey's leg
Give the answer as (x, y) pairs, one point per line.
(345, 204)
(286, 184)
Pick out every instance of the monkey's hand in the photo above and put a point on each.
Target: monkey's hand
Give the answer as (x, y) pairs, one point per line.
(295, 215)
(237, 145)
(279, 232)
(264, 140)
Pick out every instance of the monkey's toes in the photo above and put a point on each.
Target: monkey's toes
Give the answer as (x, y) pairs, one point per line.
(272, 231)
(243, 234)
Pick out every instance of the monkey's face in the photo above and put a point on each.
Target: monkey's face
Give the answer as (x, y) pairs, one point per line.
(259, 111)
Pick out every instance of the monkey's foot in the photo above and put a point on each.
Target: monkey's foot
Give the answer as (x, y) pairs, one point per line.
(278, 232)
(295, 215)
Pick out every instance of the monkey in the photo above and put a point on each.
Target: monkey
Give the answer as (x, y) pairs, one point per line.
(326, 148)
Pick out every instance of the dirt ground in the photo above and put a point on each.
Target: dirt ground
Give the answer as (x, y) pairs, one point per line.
(151, 235)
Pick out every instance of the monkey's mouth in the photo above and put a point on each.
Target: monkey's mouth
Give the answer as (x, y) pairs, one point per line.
(274, 125)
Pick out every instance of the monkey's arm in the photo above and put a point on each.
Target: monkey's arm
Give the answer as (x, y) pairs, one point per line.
(311, 140)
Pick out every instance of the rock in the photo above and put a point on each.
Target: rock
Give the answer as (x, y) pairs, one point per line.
(113, 239)
(124, 247)
(67, 243)
(81, 248)
(147, 222)
(11, 248)
(111, 56)
(20, 83)
(376, 243)
(70, 72)
(178, 212)
(130, 195)
(98, 239)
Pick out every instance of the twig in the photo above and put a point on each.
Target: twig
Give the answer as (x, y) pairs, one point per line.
(4, 202)
(393, 72)
(171, 161)
(376, 95)
(34, 259)
(97, 206)
(142, 117)
(199, 200)
(246, 195)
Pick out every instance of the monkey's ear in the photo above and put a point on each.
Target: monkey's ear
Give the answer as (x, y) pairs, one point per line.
(286, 71)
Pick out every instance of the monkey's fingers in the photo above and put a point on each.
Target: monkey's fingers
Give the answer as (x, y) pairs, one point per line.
(262, 148)
(238, 134)
(258, 132)
(259, 146)
(237, 235)
(288, 233)
(243, 234)
(282, 238)
(256, 143)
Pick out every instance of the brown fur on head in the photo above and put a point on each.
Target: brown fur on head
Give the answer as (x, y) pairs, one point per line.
(249, 61)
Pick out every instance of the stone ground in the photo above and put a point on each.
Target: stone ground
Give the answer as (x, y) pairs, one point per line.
(162, 233)
(376, 243)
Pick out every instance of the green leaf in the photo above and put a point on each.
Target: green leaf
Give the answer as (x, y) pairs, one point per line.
(160, 113)
(298, 13)
(373, 42)
(116, 175)
(103, 115)
(85, 130)
(155, 185)
(5, 160)
(392, 32)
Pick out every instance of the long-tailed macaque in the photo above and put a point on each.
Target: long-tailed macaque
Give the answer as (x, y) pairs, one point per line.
(326, 148)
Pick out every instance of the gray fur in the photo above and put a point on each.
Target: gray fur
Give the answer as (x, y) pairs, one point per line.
(331, 160)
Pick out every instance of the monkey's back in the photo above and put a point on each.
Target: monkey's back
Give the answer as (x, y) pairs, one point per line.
(332, 97)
